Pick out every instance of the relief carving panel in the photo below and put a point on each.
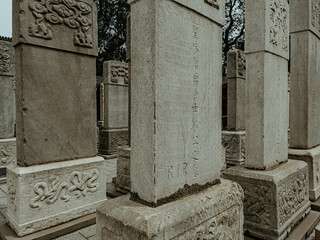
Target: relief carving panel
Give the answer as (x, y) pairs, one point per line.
(6, 57)
(241, 64)
(119, 73)
(79, 185)
(315, 14)
(72, 13)
(7, 154)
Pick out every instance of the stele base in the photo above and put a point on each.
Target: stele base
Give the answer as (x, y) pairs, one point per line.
(235, 144)
(276, 200)
(7, 152)
(214, 213)
(312, 158)
(123, 169)
(111, 139)
(47, 195)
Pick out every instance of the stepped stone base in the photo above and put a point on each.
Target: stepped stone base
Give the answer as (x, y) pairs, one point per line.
(312, 158)
(111, 139)
(276, 200)
(234, 143)
(214, 213)
(47, 195)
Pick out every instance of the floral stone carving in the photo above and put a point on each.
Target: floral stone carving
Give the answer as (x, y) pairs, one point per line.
(71, 13)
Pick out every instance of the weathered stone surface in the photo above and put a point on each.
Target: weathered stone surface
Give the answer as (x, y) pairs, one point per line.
(304, 94)
(312, 158)
(46, 195)
(215, 213)
(56, 109)
(235, 146)
(123, 168)
(7, 99)
(223, 159)
(111, 139)
(176, 96)
(7, 152)
(116, 94)
(65, 25)
(274, 200)
(236, 75)
(268, 27)
(267, 121)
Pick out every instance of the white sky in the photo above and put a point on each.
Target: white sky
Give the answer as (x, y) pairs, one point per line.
(6, 18)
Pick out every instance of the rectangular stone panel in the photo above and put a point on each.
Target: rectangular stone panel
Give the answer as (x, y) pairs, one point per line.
(267, 121)
(43, 196)
(111, 139)
(66, 25)
(304, 93)
(6, 59)
(235, 146)
(268, 29)
(56, 105)
(7, 152)
(305, 15)
(176, 98)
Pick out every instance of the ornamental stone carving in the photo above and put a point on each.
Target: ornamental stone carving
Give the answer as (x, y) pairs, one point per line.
(71, 13)
(79, 185)
(315, 20)
(119, 73)
(6, 57)
(241, 64)
(7, 154)
(279, 24)
(213, 3)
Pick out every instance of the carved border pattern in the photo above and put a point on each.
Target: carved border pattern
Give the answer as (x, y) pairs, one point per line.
(11, 193)
(117, 72)
(71, 13)
(213, 3)
(6, 57)
(7, 154)
(241, 64)
(292, 195)
(80, 184)
(279, 33)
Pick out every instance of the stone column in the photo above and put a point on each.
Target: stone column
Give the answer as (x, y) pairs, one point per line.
(59, 176)
(7, 106)
(276, 190)
(176, 191)
(305, 85)
(234, 138)
(115, 129)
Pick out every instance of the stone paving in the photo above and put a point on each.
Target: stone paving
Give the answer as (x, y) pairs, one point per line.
(87, 233)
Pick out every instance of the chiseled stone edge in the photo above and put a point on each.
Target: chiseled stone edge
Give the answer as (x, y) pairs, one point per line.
(122, 216)
(276, 178)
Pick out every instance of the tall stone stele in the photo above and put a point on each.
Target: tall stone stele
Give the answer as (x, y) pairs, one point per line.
(7, 106)
(233, 139)
(115, 127)
(276, 189)
(305, 85)
(176, 191)
(59, 176)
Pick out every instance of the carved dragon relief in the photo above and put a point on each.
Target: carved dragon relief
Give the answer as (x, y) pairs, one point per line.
(79, 185)
(71, 13)
(6, 57)
(279, 24)
(213, 3)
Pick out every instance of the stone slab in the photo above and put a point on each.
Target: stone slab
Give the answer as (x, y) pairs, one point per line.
(43, 196)
(276, 200)
(123, 168)
(236, 63)
(7, 106)
(304, 229)
(69, 26)
(6, 233)
(267, 119)
(7, 152)
(268, 29)
(304, 16)
(56, 105)
(175, 97)
(111, 139)
(214, 213)
(312, 158)
(304, 94)
(234, 143)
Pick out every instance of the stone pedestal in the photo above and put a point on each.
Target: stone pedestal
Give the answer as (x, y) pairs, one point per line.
(312, 158)
(276, 200)
(234, 143)
(46, 195)
(111, 139)
(123, 169)
(214, 213)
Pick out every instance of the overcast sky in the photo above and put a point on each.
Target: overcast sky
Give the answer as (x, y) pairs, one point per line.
(5, 18)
